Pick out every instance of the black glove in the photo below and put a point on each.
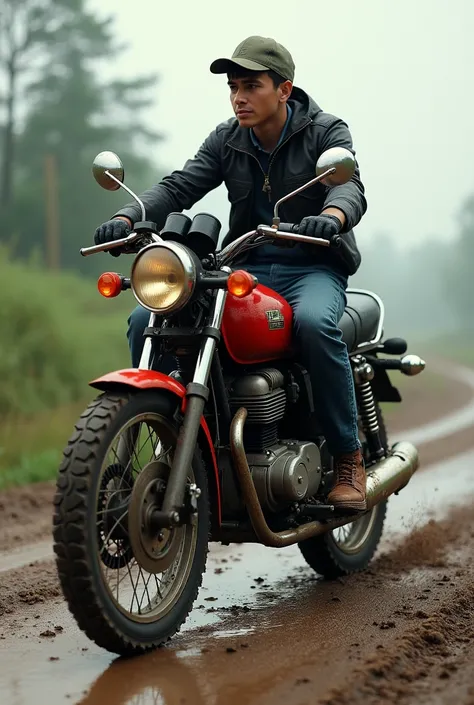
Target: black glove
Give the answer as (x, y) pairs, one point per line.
(325, 226)
(114, 229)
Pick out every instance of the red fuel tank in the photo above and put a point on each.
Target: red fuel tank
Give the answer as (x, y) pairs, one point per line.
(258, 327)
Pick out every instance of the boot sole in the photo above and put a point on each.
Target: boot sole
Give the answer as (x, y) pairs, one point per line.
(352, 506)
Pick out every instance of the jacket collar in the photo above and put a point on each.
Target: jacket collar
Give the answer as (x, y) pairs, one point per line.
(303, 107)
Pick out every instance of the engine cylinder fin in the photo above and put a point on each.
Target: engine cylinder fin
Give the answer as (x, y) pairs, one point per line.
(263, 409)
(262, 394)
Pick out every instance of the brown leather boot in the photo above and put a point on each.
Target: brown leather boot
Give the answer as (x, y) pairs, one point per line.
(349, 490)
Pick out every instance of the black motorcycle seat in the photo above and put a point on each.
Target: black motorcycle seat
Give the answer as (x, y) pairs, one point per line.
(361, 319)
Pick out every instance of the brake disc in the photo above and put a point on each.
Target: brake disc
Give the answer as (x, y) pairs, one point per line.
(154, 551)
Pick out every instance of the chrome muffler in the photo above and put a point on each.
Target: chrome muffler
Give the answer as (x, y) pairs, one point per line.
(391, 474)
(383, 479)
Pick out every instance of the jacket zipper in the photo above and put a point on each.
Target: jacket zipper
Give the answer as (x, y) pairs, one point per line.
(266, 188)
(266, 176)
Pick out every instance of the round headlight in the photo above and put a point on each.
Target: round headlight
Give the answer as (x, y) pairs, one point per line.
(163, 277)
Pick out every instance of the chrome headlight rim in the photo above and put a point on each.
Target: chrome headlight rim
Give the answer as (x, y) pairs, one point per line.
(190, 271)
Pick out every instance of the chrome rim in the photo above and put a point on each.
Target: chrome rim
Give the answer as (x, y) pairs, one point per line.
(143, 594)
(351, 538)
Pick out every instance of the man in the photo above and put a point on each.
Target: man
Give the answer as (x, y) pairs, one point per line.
(270, 148)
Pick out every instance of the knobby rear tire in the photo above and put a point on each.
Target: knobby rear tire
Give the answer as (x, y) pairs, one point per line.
(74, 524)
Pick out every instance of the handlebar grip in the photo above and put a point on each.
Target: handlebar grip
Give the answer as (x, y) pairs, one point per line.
(335, 241)
(288, 227)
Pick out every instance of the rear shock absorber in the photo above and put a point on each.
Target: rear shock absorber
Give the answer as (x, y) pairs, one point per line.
(363, 375)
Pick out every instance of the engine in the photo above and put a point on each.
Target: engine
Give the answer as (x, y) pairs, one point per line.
(284, 472)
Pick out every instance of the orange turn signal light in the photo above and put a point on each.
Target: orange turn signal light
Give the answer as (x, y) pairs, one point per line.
(109, 284)
(241, 283)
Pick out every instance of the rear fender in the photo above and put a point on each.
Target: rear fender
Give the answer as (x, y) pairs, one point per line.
(383, 388)
(150, 379)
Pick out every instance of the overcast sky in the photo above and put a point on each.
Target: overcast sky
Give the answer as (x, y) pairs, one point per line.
(399, 72)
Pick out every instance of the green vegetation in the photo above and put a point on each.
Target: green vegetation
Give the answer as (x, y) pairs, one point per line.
(57, 334)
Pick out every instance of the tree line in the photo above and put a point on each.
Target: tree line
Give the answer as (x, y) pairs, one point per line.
(56, 113)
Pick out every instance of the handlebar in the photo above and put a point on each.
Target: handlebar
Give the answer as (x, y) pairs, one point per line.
(288, 227)
(128, 245)
(286, 231)
(289, 231)
(292, 228)
(85, 251)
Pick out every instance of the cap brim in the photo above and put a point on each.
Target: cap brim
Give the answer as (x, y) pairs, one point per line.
(227, 65)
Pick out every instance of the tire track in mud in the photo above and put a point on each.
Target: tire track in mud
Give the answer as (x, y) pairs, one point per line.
(401, 629)
(426, 664)
(431, 661)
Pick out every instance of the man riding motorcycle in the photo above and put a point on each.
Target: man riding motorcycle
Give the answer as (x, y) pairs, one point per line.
(269, 149)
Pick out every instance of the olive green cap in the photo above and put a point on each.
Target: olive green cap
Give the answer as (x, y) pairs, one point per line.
(258, 54)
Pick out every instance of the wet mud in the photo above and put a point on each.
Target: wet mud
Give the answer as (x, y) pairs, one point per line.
(432, 659)
(25, 515)
(266, 629)
(400, 632)
(31, 585)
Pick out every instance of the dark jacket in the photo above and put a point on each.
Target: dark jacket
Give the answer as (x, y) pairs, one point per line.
(225, 156)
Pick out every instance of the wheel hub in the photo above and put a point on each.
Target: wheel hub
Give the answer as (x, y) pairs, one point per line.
(154, 550)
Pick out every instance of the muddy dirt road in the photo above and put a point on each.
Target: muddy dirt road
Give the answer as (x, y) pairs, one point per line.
(265, 629)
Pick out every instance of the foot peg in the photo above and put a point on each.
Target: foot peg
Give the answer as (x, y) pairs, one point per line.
(318, 511)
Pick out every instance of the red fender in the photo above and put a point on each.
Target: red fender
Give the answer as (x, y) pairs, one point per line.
(149, 379)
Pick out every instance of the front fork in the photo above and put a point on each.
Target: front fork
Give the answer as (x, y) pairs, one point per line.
(197, 393)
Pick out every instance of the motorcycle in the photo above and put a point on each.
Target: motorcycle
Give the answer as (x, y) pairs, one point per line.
(228, 447)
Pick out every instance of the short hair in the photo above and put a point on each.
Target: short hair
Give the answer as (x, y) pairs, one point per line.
(246, 73)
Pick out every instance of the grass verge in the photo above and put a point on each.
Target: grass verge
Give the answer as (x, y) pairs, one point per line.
(57, 334)
(31, 447)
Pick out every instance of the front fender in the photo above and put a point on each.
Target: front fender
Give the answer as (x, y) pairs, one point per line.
(139, 379)
(150, 379)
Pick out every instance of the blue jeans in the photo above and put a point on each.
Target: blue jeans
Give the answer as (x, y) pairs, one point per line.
(318, 299)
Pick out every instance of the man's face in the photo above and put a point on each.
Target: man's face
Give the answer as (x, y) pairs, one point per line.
(255, 99)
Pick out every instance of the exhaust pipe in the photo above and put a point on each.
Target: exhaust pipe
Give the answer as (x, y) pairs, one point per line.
(388, 476)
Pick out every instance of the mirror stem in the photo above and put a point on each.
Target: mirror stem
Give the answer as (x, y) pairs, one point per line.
(276, 219)
(128, 190)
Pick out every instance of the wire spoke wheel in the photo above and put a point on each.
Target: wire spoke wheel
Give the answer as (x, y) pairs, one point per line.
(350, 538)
(140, 580)
(145, 586)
